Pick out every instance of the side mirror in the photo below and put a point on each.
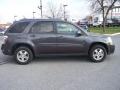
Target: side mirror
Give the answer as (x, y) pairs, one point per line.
(78, 33)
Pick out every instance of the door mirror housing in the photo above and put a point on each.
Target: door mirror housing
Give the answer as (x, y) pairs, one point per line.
(78, 33)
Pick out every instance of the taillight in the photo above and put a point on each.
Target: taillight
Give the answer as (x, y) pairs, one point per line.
(5, 39)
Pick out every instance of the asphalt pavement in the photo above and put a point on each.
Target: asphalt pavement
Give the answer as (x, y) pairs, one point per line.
(61, 73)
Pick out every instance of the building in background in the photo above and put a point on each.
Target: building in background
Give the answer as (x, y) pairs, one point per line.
(114, 12)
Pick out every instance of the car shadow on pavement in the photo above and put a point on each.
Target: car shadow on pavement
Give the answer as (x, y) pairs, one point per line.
(4, 60)
(51, 59)
(61, 59)
(44, 59)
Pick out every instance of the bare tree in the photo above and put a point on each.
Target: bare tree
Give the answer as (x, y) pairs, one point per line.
(103, 6)
(55, 11)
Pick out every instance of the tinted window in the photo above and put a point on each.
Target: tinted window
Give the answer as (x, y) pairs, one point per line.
(42, 27)
(18, 27)
(65, 28)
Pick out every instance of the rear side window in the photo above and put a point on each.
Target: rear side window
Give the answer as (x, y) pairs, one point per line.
(42, 27)
(18, 27)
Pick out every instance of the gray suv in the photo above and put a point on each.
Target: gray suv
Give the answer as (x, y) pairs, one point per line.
(30, 38)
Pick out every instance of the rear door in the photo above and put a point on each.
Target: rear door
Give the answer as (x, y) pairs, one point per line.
(43, 36)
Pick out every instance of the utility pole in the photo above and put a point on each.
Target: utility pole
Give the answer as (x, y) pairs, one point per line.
(64, 6)
(112, 10)
(40, 7)
(33, 15)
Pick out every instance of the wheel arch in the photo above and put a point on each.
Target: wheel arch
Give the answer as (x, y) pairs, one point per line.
(22, 45)
(98, 43)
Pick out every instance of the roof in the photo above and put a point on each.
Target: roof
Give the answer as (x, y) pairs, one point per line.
(29, 20)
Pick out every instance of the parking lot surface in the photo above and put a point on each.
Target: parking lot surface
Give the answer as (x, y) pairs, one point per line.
(61, 73)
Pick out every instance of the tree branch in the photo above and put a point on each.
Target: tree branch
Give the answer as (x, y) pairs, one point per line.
(110, 7)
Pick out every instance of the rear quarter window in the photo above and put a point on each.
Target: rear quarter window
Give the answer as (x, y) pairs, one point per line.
(18, 27)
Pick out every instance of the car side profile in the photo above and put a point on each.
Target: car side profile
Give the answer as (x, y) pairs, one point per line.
(30, 38)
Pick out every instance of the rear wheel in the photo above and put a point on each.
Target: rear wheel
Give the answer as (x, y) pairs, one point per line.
(97, 53)
(23, 55)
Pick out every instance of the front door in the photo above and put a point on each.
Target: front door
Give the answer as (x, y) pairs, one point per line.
(67, 41)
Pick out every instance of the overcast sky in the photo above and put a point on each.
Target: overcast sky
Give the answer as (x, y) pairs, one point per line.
(76, 9)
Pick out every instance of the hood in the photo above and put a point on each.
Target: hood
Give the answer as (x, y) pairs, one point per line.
(97, 35)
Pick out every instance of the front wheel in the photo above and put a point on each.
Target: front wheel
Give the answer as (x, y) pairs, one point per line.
(23, 55)
(97, 53)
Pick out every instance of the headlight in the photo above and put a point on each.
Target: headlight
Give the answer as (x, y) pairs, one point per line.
(109, 41)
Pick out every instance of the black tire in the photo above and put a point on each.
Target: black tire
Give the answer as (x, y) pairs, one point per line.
(24, 50)
(93, 54)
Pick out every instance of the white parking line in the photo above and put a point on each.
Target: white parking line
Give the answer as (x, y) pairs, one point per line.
(112, 34)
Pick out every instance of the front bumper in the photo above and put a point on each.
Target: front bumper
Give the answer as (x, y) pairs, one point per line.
(111, 49)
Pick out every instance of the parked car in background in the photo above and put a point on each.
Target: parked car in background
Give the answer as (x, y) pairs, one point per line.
(116, 22)
(31, 38)
(109, 22)
(2, 32)
(112, 22)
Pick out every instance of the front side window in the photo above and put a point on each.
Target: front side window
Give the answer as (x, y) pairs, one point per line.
(42, 27)
(18, 27)
(66, 28)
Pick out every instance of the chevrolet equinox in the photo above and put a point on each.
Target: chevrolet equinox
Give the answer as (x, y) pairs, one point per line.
(29, 38)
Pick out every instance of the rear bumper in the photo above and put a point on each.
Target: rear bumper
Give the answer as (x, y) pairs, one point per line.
(5, 50)
(111, 49)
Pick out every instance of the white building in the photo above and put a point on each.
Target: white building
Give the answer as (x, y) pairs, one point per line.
(115, 12)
